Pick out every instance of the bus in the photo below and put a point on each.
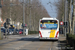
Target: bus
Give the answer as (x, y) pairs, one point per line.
(49, 28)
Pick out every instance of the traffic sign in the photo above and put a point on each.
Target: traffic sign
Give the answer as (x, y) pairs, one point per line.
(61, 23)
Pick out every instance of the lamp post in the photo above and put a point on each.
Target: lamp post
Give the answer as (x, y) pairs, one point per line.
(23, 18)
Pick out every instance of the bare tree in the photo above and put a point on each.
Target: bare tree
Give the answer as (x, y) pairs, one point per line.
(34, 10)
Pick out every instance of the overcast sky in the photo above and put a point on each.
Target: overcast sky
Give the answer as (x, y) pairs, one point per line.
(50, 7)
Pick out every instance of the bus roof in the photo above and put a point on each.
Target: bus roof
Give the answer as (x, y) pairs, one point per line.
(49, 18)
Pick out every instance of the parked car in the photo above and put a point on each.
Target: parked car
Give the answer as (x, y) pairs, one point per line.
(11, 31)
(21, 31)
(16, 31)
(3, 30)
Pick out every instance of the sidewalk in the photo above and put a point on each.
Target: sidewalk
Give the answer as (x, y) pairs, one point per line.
(62, 43)
(62, 37)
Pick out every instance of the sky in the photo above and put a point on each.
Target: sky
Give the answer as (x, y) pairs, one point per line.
(50, 7)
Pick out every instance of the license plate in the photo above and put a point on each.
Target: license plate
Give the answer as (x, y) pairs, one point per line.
(48, 38)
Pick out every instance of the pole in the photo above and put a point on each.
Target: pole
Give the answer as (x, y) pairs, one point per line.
(30, 18)
(10, 15)
(0, 26)
(5, 32)
(23, 18)
(65, 16)
(1, 36)
(34, 19)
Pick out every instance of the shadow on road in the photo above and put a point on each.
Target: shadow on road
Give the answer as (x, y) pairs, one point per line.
(27, 39)
(35, 39)
(62, 45)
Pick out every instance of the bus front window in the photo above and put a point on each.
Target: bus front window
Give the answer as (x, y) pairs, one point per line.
(48, 24)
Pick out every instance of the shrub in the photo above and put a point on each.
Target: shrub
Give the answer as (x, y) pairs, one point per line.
(33, 32)
(71, 39)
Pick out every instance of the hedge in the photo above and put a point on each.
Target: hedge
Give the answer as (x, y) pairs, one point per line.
(71, 40)
(33, 32)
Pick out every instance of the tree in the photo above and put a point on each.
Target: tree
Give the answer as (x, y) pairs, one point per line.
(60, 9)
(34, 11)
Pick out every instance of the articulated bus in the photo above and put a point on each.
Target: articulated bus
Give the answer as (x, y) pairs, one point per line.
(49, 28)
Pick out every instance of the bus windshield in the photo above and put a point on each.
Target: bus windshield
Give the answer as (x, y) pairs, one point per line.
(48, 24)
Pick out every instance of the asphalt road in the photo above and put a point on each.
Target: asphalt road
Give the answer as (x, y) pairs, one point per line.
(30, 42)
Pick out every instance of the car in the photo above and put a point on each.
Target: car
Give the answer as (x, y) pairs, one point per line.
(11, 31)
(3, 30)
(16, 31)
(21, 31)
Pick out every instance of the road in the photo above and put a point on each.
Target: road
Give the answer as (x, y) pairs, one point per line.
(30, 42)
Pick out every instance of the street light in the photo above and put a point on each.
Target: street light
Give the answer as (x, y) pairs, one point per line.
(23, 18)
